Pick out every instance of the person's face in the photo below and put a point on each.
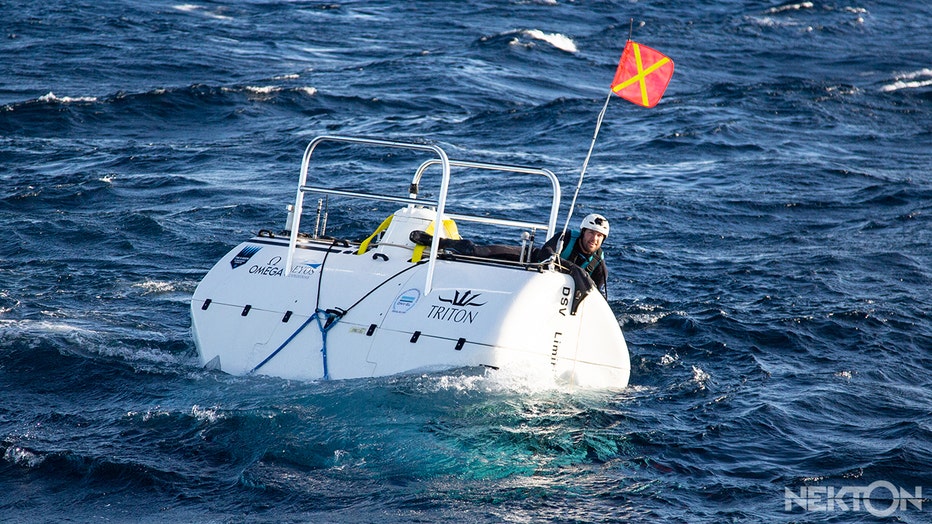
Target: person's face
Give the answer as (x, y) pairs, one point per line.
(590, 241)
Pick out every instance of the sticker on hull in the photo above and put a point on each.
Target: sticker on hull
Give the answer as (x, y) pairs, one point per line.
(406, 300)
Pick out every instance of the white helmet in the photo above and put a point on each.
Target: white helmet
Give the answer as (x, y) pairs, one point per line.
(595, 222)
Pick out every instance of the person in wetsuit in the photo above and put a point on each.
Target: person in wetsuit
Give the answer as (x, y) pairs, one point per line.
(582, 248)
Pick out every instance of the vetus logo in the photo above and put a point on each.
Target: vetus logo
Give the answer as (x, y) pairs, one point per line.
(880, 498)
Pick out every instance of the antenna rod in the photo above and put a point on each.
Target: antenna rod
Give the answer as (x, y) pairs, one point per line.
(582, 173)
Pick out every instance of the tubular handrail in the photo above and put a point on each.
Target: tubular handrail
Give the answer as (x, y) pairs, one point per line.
(445, 163)
(368, 196)
(554, 182)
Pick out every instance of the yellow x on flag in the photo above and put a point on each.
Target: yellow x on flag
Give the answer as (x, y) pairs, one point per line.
(642, 75)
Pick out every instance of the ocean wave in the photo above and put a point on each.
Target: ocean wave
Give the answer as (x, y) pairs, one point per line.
(790, 7)
(912, 80)
(639, 314)
(529, 37)
(23, 457)
(557, 40)
(196, 100)
(217, 13)
(487, 381)
(19, 329)
(266, 91)
(156, 286)
(50, 97)
(809, 18)
(94, 343)
(769, 258)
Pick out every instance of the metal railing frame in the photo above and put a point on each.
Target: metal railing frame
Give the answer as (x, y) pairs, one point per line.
(445, 163)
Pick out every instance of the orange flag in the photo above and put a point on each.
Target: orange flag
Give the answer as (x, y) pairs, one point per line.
(642, 75)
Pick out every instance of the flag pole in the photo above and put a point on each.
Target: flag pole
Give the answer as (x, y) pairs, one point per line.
(656, 64)
(582, 173)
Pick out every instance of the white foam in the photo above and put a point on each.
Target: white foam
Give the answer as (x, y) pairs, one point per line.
(263, 90)
(4, 294)
(50, 97)
(155, 286)
(911, 80)
(561, 42)
(22, 457)
(90, 341)
(207, 414)
(41, 326)
(269, 90)
(508, 380)
(458, 382)
(192, 8)
(648, 314)
(790, 7)
(906, 85)
(700, 377)
(647, 318)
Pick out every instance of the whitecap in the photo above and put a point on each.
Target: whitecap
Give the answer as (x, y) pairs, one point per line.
(155, 286)
(150, 414)
(911, 80)
(511, 380)
(192, 8)
(790, 7)
(561, 42)
(700, 377)
(646, 318)
(647, 314)
(457, 382)
(33, 327)
(206, 414)
(22, 457)
(50, 97)
(263, 90)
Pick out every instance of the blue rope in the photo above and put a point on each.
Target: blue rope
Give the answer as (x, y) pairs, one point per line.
(332, 315)
(324, 327)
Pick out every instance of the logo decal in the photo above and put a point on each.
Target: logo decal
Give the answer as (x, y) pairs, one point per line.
(456, 311)
(303, 270)
(406, 300)
(244, 256)
(466, 299)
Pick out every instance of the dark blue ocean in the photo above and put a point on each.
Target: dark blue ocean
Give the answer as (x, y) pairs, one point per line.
(770, 259)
